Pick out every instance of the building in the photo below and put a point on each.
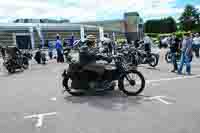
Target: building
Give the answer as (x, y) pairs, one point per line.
(131, 26)
(31, 33)
(40, 21)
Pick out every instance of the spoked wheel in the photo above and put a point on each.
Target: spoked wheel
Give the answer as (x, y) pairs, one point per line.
(67, 85)
(153, 60)
(132, 83)
(168, 57)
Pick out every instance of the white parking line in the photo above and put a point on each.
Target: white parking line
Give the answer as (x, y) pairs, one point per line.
(53, 99)
(40, 118)
(159, 98)
(175, 78)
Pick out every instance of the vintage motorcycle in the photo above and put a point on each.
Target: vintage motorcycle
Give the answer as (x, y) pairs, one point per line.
(78, 82)
(40, 57)
(141, 57)
(21, 61)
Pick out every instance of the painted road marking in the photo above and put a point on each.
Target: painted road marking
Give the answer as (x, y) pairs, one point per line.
(53, 99)
(175, 78)
(159, 98)
(40, 118)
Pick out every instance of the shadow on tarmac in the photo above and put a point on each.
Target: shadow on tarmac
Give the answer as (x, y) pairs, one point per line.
(114, 101)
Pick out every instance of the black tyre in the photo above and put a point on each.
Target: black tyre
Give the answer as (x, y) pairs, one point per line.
(25, 64)
(168, 57)
(135, 88)
(154, 60)
(11, 70)
(67, 85)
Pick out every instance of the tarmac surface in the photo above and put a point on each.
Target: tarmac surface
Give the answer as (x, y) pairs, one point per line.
(32, 102)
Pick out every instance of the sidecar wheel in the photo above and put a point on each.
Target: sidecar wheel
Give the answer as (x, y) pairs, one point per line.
(66, 84)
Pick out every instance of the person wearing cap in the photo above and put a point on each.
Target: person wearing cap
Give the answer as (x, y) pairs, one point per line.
(196, 43)
(186, 54)
(88, 57)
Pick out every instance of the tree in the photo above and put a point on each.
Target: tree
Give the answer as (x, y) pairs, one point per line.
(189, 18)
(166, 25)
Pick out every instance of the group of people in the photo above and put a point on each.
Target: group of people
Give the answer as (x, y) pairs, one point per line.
(186, 45)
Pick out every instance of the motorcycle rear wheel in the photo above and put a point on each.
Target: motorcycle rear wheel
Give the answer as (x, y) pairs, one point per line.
(132, 83)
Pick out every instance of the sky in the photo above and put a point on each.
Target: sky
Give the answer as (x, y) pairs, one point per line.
(91, 10)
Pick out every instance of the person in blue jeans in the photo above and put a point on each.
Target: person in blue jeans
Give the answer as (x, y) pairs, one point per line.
(174, 46)
(186, 55)
(59, 49)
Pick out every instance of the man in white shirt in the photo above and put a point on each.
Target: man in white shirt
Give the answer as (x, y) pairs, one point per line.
(196, 44)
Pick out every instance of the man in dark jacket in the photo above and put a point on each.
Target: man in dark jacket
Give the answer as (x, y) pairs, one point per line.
(88, 57)
(174, 46)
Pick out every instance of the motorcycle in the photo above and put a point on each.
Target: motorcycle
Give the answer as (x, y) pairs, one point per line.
(78, 82)
(168, 56)
(20, 62)
(40, 57)
(66, 52)
(141, 57)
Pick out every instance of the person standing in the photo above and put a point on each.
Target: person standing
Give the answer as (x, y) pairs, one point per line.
(147, 46)
(186, 54)
(108, 42)
(174, 46)
(196, 44)
(50, 49)
(3, 52)
(59, 49)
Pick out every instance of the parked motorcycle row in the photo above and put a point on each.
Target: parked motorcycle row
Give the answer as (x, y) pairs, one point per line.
(78, 81)
(15, 59)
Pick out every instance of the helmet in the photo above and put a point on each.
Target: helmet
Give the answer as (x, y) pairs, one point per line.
(90, 39)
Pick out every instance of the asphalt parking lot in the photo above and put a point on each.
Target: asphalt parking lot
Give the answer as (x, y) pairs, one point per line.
(32, 102)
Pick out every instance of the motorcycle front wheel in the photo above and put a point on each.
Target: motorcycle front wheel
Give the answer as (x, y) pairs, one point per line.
(25, 64)
(132, 83)
(11, 70)
(153, 60)
(168, 57)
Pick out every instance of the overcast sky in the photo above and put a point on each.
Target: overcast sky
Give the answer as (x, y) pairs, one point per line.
(90, 10)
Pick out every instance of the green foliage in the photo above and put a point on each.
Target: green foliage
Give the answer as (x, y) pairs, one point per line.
(121, 41)
(197, 28)
(166, 25)
(152, 35)
(189, 18)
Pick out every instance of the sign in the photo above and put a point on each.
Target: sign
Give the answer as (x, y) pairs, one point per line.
(82, 33)
(114, 37)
